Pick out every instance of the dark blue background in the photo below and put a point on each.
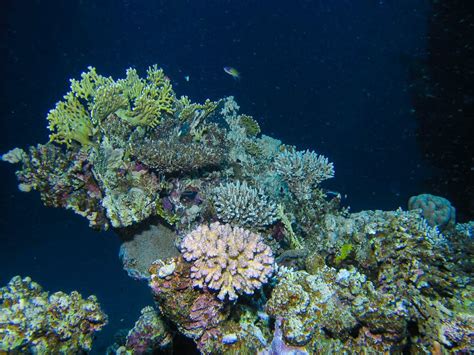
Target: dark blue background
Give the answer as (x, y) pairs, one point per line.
(331, 76)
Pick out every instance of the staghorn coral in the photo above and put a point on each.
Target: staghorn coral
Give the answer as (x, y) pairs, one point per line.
(32, 321)
(227, 259)
(303, 171)
(240, 204)
(435, 209)
(149, 334)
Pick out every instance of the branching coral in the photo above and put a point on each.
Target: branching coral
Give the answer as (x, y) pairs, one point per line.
(303, 171)
(227, 259)
(240, 204)
(150, 98)
(32, 321)
(69, 121)
(140, 102)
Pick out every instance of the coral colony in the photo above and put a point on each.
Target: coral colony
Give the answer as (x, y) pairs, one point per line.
(242, 248)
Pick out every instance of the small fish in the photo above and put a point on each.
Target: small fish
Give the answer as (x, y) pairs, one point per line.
(232, 72)
(186, 78)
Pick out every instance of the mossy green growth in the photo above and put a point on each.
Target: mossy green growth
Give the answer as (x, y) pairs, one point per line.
(344, 252)
(252, 128)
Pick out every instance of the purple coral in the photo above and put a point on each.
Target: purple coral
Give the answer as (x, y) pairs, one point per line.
(227, 259)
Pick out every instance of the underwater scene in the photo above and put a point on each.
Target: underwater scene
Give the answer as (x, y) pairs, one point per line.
(237, 177)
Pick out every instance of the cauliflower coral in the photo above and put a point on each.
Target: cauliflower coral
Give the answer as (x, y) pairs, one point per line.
(227, 259)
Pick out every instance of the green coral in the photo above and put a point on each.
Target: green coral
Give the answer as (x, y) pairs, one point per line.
(252, 128)
(69, 121)
(140, 102)
(344, 252)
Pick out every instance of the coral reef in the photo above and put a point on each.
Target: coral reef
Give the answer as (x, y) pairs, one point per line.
(227, 259)
(149, 334)
(215, 326)
(242, 205)
(166, 173)
(435, 209)
(33, 321)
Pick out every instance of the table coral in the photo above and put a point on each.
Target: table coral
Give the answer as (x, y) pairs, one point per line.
(227, 259)
(31, 320)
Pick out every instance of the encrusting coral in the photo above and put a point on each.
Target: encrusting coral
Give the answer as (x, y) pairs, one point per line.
(227, 259)
(32, 321)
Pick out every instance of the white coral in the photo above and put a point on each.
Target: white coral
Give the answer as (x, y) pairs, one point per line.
(243, 205)
(303, 171)
(227, 259)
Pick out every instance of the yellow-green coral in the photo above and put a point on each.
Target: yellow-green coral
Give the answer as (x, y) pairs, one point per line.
(91, 99)
(171, 218)
(344, 252)
(69, 121)
(252, 128)
(108, 99)
(148, 107)
(32, 321)
(89, 83)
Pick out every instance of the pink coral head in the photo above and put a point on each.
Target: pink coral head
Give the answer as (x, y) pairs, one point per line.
(227, 259)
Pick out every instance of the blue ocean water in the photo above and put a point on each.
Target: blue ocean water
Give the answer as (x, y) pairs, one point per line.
(336, 77)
